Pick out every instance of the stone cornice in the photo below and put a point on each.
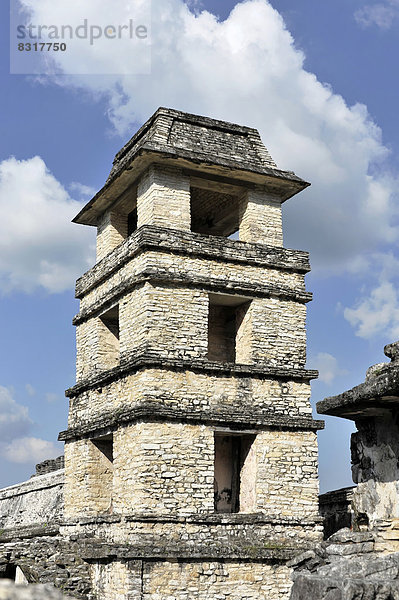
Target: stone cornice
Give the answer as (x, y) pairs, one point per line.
(211, 519)
(254, 419)
(148, 360)
(162, 277)
(259, 551)
(35, 530)
(185, 243)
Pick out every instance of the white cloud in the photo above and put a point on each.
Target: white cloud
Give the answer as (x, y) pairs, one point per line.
(84, 191)
(247, 69)
(14, 418)
(39, 247)
(30, 389)
(51, 397)
(381, 14)
(15, 424)
(29, 449)
(327, 365)
(377, 313)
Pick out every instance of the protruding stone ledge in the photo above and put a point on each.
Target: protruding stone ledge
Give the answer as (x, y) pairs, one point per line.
(171, 241)
(157, 412)
(205, 518)
(148, 360)
(259, 552)
(379, 393)
(35, 530)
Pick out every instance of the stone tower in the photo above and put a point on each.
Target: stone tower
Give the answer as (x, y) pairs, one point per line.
(191, 453)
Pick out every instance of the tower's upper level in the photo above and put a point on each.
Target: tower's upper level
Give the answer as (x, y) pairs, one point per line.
(192, 173)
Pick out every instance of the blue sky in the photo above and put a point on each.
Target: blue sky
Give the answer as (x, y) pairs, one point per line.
(318, 79)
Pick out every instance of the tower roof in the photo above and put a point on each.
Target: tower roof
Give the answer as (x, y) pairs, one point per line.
(216, 149)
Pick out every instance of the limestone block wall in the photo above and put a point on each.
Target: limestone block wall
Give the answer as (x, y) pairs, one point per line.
(287, 478)
(38, 500)
(44, 559)
(174, 469)
(88, 479)
(216, 534)
(260, 218)
(189, 268)
(111, 231)
(114, 580)
(278, 332)
(97, 348)
(172, 465)
(176, 322)
(170, 321)
(194, 392)
(197, 580)
(163, 198)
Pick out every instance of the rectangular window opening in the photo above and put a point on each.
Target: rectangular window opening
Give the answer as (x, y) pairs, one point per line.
(227, 328)
(214, 212)
(235, 473)
(103, 470)
(110, 338)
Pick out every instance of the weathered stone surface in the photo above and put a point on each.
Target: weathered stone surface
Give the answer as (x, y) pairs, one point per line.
(38, 500)
(253, 257)
(10, 591)
(50, 465)
(312, 587)
(346, 568)
(375, 397)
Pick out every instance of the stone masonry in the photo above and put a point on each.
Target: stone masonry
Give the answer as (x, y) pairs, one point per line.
(191, 453)
(190, 450)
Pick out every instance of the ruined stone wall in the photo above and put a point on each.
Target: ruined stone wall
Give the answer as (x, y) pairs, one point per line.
(347, 566)
(375, 455)
(45, 558)
(38, 500)
(336, 509)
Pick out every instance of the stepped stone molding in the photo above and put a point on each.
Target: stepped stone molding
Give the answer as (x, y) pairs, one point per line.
(160, 277)
(191, 244)
(146, 360)
(157, 412)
